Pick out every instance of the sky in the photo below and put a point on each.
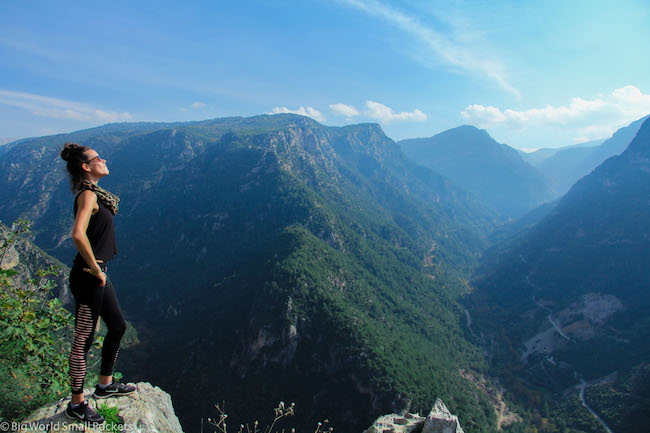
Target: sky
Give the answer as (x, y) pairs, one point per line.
(533, 73)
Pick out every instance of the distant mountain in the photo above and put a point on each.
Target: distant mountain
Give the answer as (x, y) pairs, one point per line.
(5, 140)
(492, 171)
(272, 258)
(540, 155)
(567, 166)
(569, 299)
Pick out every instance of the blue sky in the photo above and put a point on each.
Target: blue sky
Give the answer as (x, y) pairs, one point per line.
(534, 74)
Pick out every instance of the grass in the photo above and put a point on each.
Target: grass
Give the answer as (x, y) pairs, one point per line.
(112, 417)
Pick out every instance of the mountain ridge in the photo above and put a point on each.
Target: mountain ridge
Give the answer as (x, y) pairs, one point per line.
(492, 171)
(568, 166)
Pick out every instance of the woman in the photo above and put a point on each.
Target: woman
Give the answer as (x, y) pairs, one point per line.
(94, 237)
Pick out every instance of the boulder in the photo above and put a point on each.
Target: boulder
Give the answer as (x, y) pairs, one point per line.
(10, 259)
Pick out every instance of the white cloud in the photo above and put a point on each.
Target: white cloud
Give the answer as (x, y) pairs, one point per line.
(520, 119)
(308, 111)
(590, 118)
(594, 132)
(631, 101)
(386, 114)
(449, 52)
(194, 106)
(346, 110)
(60, 108)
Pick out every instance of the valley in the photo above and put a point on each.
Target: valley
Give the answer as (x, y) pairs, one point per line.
(283, 259)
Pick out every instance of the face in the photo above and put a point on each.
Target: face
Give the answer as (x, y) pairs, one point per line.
(95, 166)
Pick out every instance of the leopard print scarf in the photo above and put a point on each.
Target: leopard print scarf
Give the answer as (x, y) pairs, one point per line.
(107, 198)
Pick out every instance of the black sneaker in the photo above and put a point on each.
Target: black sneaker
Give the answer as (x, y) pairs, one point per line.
(83, 413)
(114, 389)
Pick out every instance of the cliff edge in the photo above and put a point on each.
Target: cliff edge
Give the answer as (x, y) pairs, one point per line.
(439, 420)
(148, 410)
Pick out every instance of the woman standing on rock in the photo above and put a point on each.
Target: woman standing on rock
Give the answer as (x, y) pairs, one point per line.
(94, 237)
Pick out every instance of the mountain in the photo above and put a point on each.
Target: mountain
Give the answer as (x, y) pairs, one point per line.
(568, 300)
(271, 259)
(567, 166)
(540, 155)
(6, 140)
(492, 171)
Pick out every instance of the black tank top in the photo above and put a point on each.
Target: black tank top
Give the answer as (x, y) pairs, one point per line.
(101, 234)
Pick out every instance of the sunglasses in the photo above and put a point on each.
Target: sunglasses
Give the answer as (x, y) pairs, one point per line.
(92, 159)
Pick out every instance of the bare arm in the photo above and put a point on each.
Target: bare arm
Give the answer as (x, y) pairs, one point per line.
(86, 206)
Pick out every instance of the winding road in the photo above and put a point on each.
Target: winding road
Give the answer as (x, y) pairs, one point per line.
(583, 385)
(550, 319)
(557, 328)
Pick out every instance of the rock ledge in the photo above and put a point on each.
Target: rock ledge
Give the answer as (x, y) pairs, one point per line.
(148, 410)
(439, 420)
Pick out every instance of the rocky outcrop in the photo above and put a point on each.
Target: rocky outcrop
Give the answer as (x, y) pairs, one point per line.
(148, 410)
(439, 420)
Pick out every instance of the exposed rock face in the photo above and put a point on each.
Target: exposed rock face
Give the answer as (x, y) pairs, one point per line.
(409, 423)
(148, 410)
(439, 420)
(10, 259)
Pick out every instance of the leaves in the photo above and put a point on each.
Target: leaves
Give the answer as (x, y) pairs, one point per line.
(34, 341)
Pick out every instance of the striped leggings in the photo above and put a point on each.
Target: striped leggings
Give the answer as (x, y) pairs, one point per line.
(92, 302)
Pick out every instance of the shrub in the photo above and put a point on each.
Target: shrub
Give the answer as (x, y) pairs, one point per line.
(34, 337)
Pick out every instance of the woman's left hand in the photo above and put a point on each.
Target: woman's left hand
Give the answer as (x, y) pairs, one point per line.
(99, 274)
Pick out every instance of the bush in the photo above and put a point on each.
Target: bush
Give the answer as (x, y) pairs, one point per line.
(34, 337)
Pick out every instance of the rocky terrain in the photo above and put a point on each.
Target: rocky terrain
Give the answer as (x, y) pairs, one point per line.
(439, 420)
(148, 410)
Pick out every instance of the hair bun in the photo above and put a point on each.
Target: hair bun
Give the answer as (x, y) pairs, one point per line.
(70, 149)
